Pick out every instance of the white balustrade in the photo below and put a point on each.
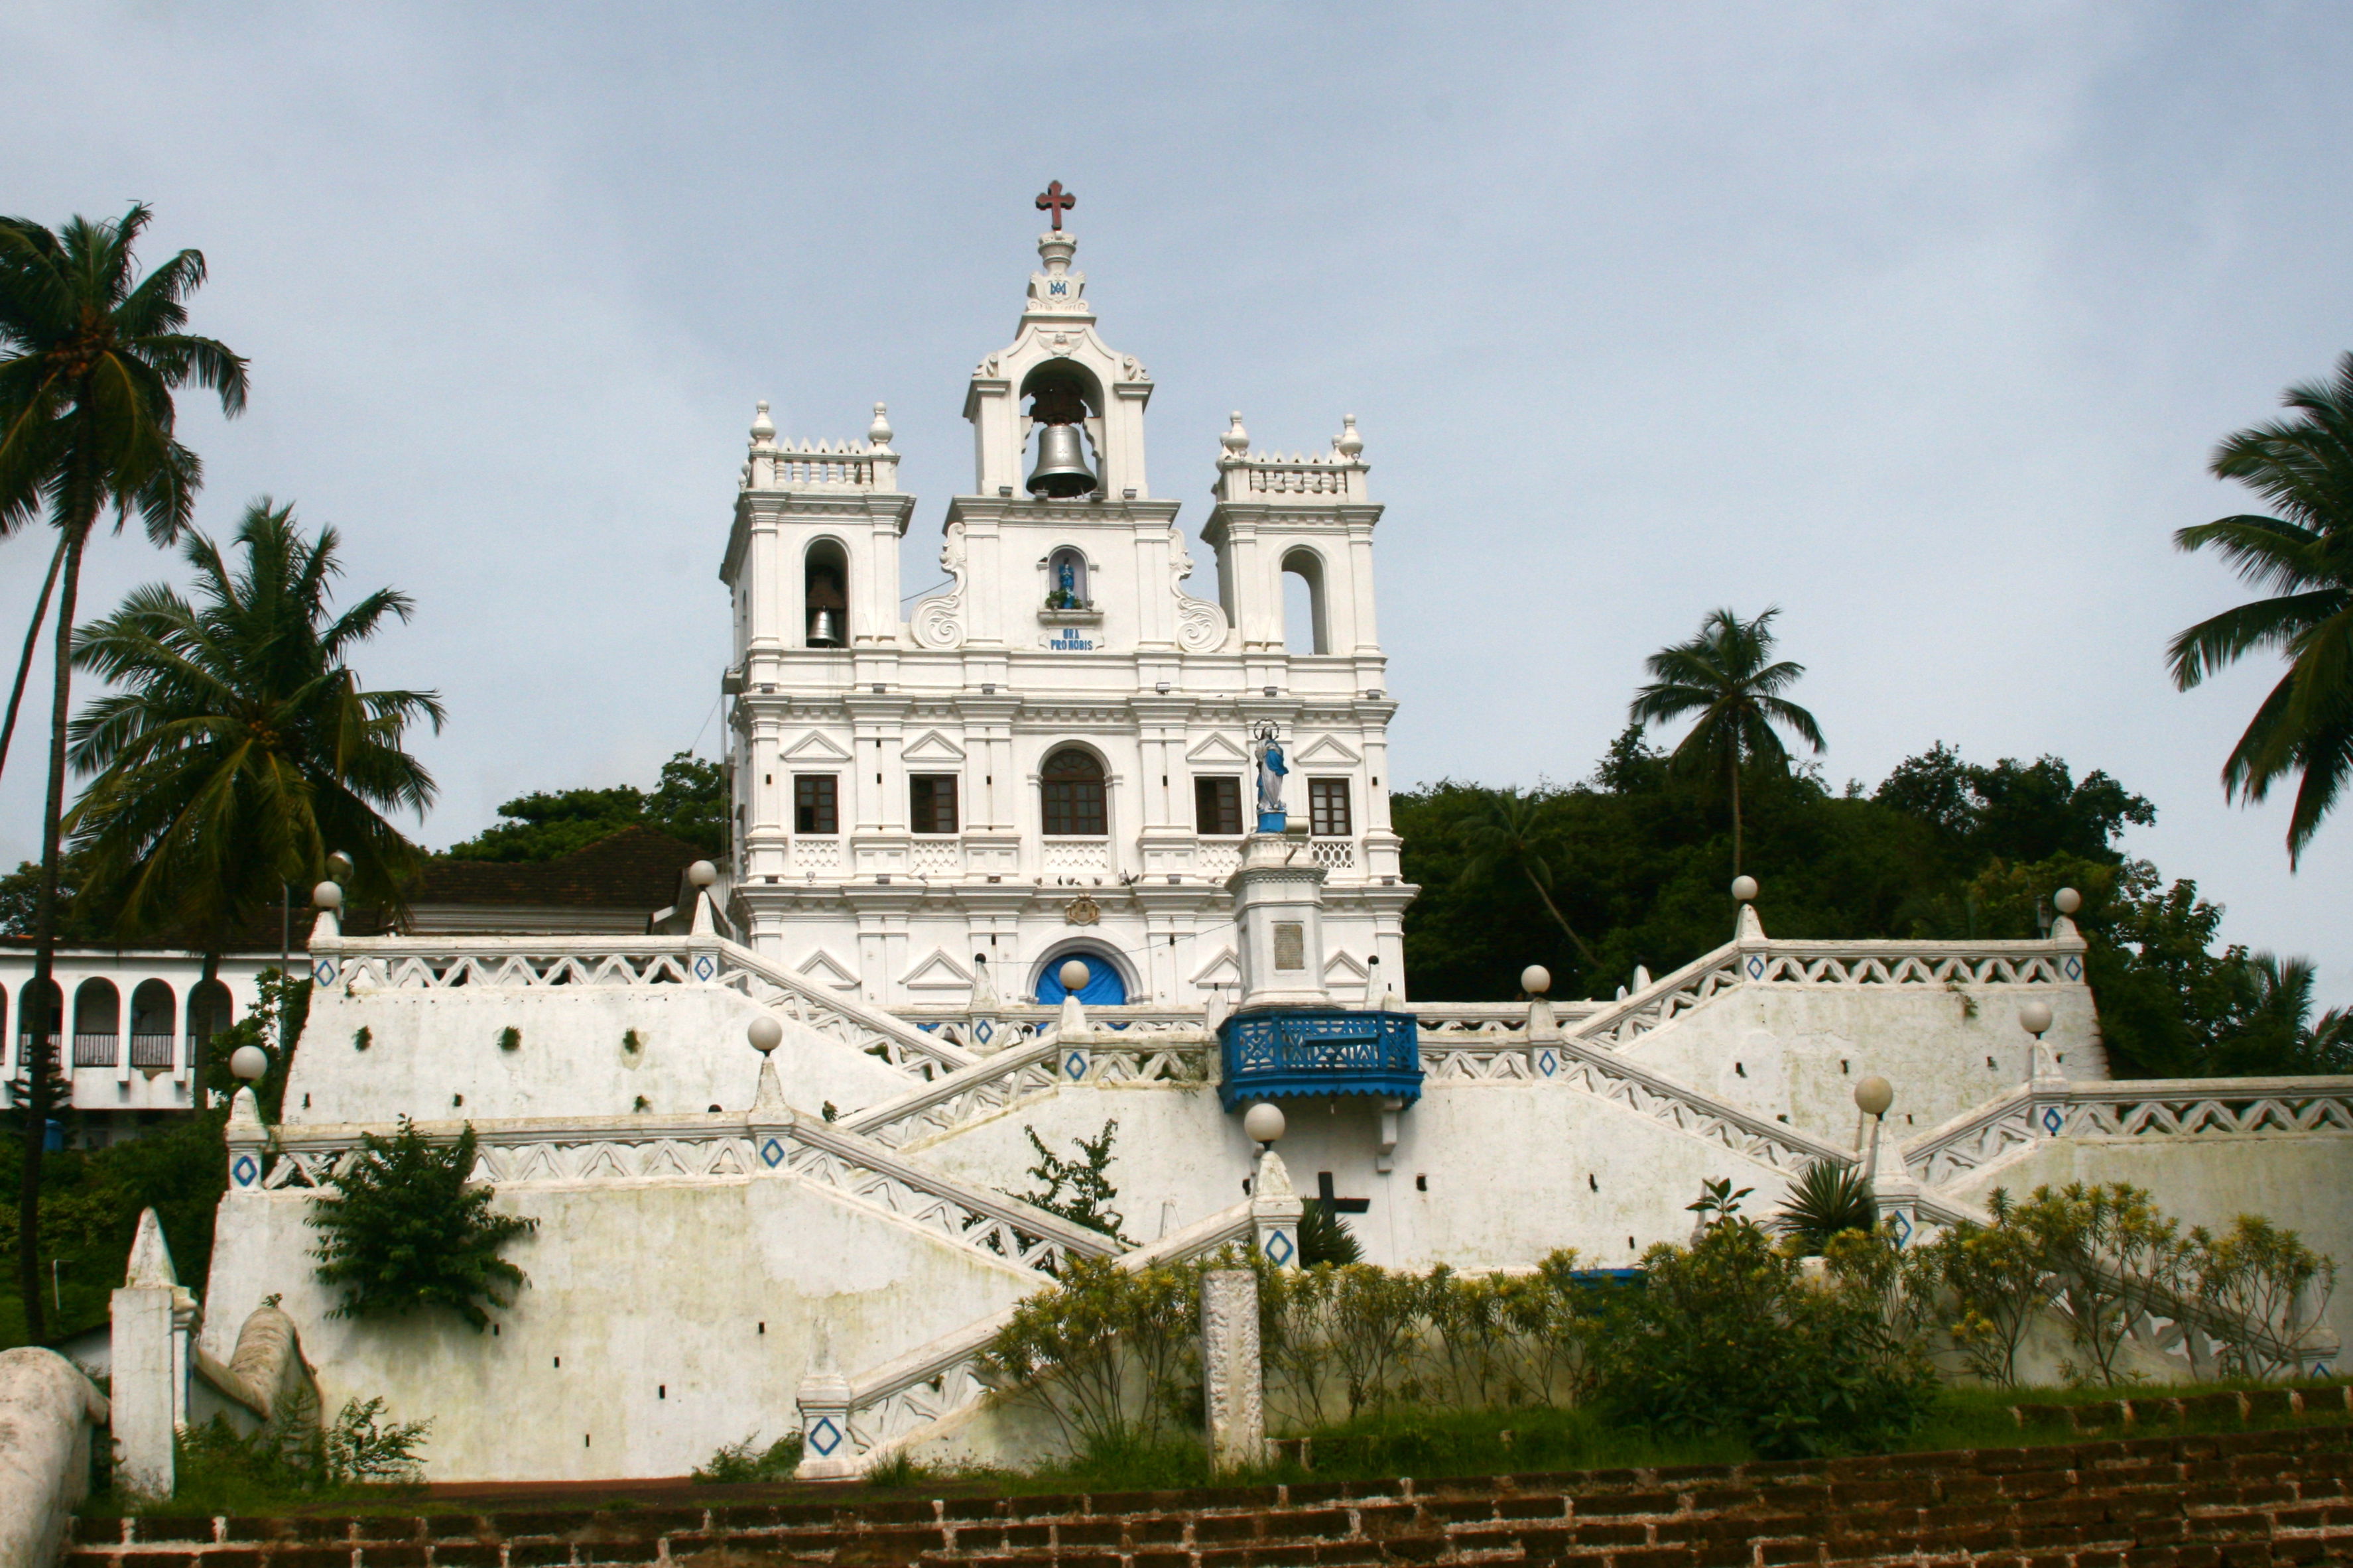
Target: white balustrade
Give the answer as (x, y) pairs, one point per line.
(1336, 854)
(1078, 855)
(939, 856)
(1217, 859)
(818, 855)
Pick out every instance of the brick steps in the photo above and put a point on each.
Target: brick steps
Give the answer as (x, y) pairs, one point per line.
(2219, 1501)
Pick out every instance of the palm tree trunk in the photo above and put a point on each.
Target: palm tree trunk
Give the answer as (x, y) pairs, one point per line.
(199, 1050)
(25, 661)
(40, 1066)
(1561, 920)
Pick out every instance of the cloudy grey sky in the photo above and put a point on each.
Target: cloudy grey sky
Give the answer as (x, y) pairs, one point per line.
(1917, 320)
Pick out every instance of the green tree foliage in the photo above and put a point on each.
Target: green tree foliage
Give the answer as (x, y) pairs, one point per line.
(80, 921)
(1826, 1201)
(1944, 849)
(2304, 727)
(238, 748)
(406, 1232)
(689, 804)
(90, 353)
(1727, 682)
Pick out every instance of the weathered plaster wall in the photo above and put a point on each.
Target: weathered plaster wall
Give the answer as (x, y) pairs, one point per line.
(428, 1048)
(639, 1347)
(1797, 1050)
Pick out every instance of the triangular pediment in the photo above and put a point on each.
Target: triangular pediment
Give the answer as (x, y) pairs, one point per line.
(826, 969)
(938, 973)
(1326, 753)
(934, 747)
(816, 747)
(1218, 750)
(1223, 970)
(1345, 968)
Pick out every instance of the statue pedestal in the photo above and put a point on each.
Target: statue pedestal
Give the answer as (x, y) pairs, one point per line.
(1279, 918)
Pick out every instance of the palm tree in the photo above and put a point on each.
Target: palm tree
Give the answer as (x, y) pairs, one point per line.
(1506, 839)
(1726, 674)
(2304, 467)
(238, 748)
(90, 356)
(2278, 1034)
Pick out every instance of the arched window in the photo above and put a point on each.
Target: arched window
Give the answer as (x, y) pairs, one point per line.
(1304, 626)
(208, 1014)
(98, 1023)
(824, 595)
(1066, 580)
(154, 1025)
(1070, 796)
(1105, 987)
(29, 1011)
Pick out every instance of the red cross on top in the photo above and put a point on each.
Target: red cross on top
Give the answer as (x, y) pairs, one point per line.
(1055, 200)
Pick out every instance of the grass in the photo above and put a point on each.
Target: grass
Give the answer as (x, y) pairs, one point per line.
(1423, 1443)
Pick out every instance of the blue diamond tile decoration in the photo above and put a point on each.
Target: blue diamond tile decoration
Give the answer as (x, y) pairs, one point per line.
(706, 968)
(245, 1170)
(1903, 1228)
(1756, 966)
(323, 971)
(2074, 969)
(1547, 1064)
(824, 1437)
(1074, 1066)
(2052, 1121)
(773, 1152)
(1279, 1248)
(983, 1031)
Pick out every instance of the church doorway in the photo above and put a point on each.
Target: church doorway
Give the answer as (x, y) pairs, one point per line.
(1106, 986)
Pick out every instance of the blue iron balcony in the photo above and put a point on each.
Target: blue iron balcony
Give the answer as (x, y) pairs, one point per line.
(1320, 1052)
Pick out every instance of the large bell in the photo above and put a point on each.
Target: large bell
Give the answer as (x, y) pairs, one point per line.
(825, 628)
(1061, 467)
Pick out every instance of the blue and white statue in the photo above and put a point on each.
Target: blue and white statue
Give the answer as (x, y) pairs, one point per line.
(1271, 817)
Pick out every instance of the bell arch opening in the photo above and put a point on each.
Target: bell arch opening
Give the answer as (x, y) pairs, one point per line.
(825, 593)
(1305, 629)
(1062, 433)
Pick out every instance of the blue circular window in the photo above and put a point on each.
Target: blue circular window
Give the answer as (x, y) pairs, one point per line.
(1105, 987)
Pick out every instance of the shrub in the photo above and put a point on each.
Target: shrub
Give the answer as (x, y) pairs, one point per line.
(1324, 1237)
(1079, 1190)
(744, 1462)
(407, 1231)
(1825, 1201)
(1726, 1337)
(2253, 1278)
(1112, 1354)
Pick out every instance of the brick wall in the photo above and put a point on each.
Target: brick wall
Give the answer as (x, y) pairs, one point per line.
(2234, 1499)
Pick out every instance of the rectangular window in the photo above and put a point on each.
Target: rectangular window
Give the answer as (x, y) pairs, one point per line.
(1216, 805)
(932, 801)
(814, 809)
(1327, 808)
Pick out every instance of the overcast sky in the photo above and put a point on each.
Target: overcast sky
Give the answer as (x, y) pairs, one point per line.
(1918, 321)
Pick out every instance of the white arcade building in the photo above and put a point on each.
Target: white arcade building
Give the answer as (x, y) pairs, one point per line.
(1051, 760)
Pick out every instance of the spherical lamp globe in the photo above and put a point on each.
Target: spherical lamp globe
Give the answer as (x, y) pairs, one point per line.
(1535, 980)
(1874, 1095)
(1263, 1123)
(339, 866)
(248, 1063)
(765, 1034)
(327, 896)
(1743, 889)
(703, 874)
(2034, 1017)
(2066, 900)
(1075, 975)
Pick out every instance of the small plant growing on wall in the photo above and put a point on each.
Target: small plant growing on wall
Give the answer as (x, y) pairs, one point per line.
(406, 1232)
(1080, 1189)
(361, 1038)
(510, 1038)
(631, 1043)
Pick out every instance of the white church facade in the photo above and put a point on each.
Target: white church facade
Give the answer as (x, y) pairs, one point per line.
(776, 1154)
(1053, 758)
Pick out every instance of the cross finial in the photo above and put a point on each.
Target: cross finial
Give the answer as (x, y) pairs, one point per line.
(1055, 200)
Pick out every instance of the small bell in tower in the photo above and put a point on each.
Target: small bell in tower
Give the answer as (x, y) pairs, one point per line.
(1062, 471)
(826, 604)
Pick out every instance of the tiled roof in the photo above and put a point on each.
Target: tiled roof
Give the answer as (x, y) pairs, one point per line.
(635, 869)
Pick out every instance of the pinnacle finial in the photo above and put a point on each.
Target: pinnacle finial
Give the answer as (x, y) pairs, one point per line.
(1236, 440)
(879, 433)
(1348, 443)
(764, 429)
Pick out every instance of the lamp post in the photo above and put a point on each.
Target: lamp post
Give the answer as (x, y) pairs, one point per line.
(1873, 1096)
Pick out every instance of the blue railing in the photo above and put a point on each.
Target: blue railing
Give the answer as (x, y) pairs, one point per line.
(1319, 1051)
